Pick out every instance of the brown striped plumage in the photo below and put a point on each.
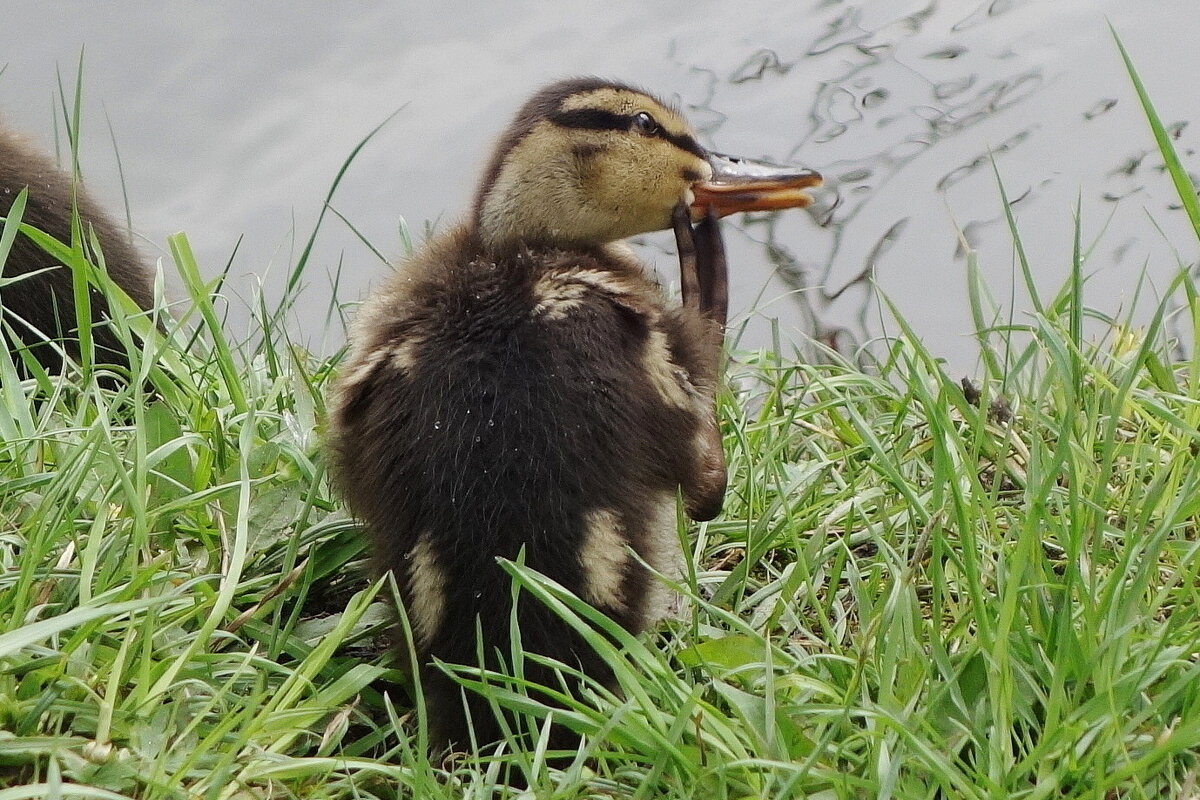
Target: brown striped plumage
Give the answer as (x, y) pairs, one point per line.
(521, 384)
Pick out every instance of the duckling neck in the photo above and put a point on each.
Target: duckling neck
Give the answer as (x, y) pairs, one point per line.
(535, 211)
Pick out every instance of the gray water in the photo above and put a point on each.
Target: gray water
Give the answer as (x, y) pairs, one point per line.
(231, 120)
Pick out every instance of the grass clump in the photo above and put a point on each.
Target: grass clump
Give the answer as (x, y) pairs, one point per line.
(920, 588)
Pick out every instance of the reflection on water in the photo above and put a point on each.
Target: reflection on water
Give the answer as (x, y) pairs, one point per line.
(893, 109)
(232, 120)
(908, 115)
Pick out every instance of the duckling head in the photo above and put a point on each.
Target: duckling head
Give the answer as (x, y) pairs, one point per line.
(589, 161)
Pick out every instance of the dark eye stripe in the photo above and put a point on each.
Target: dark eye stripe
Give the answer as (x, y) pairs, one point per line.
(683, 142)
(592, 119)
(596, 119)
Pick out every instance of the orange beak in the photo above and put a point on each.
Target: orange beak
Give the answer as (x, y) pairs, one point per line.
(744, 184)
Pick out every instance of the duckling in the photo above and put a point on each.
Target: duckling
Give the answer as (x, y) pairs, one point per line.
(45, 301)
(521, 386)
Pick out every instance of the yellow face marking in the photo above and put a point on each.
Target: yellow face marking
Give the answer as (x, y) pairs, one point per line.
(577, 184)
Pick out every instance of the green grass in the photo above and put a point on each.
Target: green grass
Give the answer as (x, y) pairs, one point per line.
(913, 593)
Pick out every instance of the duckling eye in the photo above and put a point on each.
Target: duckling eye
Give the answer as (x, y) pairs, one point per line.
(644, 124)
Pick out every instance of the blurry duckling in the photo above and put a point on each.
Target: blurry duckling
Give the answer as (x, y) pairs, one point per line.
(42, 306)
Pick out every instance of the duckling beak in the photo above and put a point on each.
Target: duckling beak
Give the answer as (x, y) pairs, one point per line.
(746, 184)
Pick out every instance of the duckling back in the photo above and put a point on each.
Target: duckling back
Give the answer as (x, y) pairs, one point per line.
(543, 401)
(46, 300)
